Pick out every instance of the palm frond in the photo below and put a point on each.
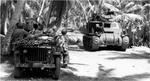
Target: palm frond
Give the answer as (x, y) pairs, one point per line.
(146, 8)
(111, 7)
(135, 8)
(129, 5)
(29, 12)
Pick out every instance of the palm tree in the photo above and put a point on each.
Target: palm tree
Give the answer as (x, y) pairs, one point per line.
(13, 19)
(62, 10)
(132, 11)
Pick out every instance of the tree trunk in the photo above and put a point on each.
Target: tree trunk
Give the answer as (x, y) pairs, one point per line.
(38, 19)
(13, 21)
(49, 13)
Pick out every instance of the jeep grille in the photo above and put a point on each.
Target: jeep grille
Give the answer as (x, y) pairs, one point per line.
(36, 54)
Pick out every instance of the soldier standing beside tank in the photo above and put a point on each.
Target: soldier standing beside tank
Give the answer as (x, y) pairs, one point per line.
(99, 30)
(63, 44)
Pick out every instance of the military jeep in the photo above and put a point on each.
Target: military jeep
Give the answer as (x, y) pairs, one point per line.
(39, 53)
(103, 34)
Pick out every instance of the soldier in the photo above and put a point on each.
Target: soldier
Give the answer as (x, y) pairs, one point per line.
(27, 26)
(18, 34)
(99, 30)
(36, 31)
(63, 44)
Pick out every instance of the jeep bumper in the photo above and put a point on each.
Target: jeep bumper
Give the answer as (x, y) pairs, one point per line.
(35, 65)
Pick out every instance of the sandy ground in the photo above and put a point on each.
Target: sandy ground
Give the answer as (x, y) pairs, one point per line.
(104, 65)
(133, 62)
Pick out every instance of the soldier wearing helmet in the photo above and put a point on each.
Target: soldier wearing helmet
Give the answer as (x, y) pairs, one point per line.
(63, 44)
(18, 34)
(36, 32)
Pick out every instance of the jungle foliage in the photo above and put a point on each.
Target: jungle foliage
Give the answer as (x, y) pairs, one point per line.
(131, 14)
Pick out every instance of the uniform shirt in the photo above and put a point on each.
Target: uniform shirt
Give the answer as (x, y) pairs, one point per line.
(62, 41)
(36, 33)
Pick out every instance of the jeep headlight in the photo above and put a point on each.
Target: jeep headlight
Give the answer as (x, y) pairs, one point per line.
(25, 51)
(49, 51)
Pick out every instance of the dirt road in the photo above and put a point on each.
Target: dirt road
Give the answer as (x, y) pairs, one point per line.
(106, 65)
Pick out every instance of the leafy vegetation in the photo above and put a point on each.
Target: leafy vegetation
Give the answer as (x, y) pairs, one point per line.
(72, 14)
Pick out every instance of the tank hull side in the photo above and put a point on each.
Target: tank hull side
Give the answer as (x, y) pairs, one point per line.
(106, 39)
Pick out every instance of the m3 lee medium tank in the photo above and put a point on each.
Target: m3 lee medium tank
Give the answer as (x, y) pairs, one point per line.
(103, 34)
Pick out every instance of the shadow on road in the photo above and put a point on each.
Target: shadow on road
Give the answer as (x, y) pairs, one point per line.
(135, 77)
(76, 64)
(7, 64)
(81, 48)
(102, 75)
(108, 48)
(105, 75)
(115, 48)
(129, 56)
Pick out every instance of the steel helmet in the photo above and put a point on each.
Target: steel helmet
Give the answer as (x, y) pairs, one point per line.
(64, 31)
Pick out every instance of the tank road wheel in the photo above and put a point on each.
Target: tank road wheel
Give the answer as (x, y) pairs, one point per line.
(17, 72)
(57, 68)
(125, 43)
(95, 42)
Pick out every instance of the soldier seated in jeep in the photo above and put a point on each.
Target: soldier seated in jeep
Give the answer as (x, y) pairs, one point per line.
(35, 30)
(18, 34)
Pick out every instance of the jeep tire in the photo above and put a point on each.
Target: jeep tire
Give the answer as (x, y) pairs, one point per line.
(57, 68)
(17, 72)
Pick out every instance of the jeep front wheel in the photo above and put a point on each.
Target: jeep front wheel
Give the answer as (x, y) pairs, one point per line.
(57, 68)
(17, 72)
